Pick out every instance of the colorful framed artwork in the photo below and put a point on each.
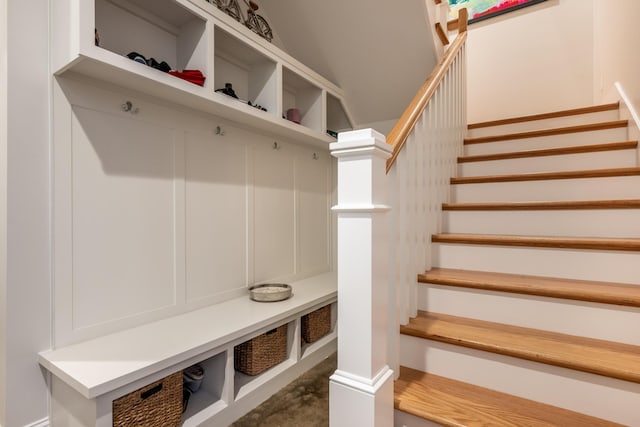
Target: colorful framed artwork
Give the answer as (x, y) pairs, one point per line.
(479, 10)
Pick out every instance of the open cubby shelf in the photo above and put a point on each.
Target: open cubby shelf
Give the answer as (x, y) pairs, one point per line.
(211, 390)
(309, 348)
(196, 35)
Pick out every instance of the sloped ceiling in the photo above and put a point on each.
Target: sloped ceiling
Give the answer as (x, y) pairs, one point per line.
(378, 52)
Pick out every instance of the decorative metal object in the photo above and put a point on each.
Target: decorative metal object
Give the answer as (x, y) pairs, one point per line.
(253, 21)
(270, 292)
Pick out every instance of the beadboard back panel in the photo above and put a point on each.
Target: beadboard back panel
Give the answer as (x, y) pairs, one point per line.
(159, 210)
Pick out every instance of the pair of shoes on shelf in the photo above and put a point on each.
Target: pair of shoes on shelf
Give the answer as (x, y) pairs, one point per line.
(191, 381)
(259, 107)
(228, 90)
(151, 62)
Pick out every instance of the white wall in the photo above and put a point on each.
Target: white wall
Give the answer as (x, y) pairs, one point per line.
(384, 127)
(537, 59)
(616, 59)
(361, 48)
(28, 283)
(3, 209)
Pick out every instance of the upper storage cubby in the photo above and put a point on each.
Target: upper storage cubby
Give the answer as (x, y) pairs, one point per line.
(302, 101)
(337, 119)
(158, 29)
(195, 35)
(252, 74)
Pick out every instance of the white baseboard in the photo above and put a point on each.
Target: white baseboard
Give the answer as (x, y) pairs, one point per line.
(42, 423)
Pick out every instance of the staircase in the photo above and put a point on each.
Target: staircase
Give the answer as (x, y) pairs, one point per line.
(530, 315)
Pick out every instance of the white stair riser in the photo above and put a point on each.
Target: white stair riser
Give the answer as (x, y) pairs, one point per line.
(600, 321)
(403, 419)
(544, 142)
(607, 266)
(581, 119)
(589, 394)
(569, 223)
(609, 188)
(567, 162)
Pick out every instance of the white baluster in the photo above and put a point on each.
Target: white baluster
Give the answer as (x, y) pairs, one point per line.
(401, 248)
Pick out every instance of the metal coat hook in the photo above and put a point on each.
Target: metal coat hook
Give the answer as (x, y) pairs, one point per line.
(315, 156)
(276, 146)
(128, 107)
(219, 131)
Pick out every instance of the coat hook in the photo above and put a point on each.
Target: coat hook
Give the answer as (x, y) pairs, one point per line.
(128, 107)
(315, 156)
(276, 146)
(219, 131)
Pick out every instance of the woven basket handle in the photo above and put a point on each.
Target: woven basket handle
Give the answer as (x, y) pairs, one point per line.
(148, 393)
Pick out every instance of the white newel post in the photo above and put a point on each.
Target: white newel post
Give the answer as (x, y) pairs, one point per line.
(361, 389)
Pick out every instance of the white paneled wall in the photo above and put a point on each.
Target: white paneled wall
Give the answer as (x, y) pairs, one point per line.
(157, 211)
(215, 172)
(123, 217)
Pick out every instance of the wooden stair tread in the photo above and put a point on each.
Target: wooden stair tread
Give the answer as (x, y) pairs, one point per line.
(548, 132)
(561, 205)
(455, 403)
(552, 115)
(579, 174)
(610, 359)
(597, 243)
(578, 149)
(580, 290)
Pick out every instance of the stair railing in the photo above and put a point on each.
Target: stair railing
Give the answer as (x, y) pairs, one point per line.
(426, 141)
(390, 195)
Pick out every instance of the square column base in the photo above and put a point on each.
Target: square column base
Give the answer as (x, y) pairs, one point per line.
(356, 403)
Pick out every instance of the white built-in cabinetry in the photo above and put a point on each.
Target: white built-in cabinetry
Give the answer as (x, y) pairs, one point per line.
(194, 34)
(169, 199)
(89, 376)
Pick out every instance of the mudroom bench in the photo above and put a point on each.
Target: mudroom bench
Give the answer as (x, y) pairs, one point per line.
(87, 377)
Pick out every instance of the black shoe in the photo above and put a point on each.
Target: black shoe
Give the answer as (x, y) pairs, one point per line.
(162, 66)
(228, 90)
(137, 57)
(186, 394)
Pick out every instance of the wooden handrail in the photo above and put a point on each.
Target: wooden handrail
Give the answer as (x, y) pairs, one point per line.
(441, 34)
(459, 24)
(400, 132)
(463, 20)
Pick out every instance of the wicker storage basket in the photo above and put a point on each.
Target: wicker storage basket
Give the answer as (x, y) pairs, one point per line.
(158, 404)
(316, 324)
(262, 352)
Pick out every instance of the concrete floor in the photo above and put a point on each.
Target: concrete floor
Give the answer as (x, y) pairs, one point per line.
(302, 403)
